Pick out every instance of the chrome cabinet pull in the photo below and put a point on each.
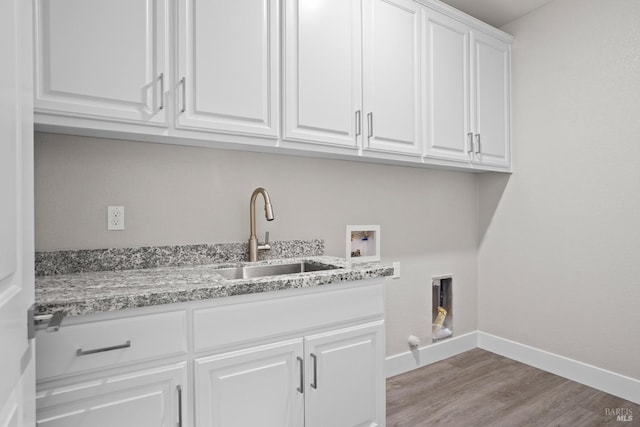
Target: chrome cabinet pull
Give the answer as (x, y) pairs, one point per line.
(81, 352)
(470, 136)
(179, 388)
(314, 384)
(161, 78)
(370, 125)
(183, 82)
(358, 123)
(477, 143)
(301, 388)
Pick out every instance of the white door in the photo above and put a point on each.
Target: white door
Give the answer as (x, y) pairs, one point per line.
(149, 398)
(323, 91)
(344, 384)
(259, 386)
(17, 372)
(102, 59)
(391, 72)
(228, 66)
(491, 100)
(448, 95)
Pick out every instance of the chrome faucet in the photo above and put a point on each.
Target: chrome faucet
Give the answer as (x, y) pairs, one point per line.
(254, 246)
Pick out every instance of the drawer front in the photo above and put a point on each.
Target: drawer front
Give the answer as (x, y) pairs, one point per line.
(106, 344)
(245, 323)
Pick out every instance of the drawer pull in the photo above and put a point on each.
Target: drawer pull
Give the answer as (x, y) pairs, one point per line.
(81, 352)
(314, 384)
(161, 78)
(179, 389)
(183, 82)
(301, 388)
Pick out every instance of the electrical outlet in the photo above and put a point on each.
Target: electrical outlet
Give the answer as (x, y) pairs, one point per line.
(396, 270)
(115, 217)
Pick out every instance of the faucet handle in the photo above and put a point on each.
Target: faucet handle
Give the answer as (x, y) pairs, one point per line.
(265, 246)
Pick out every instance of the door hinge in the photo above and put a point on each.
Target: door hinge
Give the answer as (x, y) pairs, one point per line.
(54, 321)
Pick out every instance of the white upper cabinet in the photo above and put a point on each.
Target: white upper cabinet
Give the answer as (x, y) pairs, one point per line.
(101, 59)
(392, 80)
(448, 97)
(410, 81)
(228, 69)
(323, 93)
(468, 95)
(491, 100)
(352, 74)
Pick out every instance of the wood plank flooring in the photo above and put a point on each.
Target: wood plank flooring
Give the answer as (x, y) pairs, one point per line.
(479, 388)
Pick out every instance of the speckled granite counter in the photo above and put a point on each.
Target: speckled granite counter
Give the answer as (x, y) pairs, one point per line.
(100, 291)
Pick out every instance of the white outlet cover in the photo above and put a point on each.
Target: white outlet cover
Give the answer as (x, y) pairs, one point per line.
(396, 270)
(115, 218)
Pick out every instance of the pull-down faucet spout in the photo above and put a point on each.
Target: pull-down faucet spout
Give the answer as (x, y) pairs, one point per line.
(254, 246)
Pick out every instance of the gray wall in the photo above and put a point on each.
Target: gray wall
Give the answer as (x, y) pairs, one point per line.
(183, 195)
(559, 260)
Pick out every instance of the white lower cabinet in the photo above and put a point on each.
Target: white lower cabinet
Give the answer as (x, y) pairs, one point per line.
(344, 384)
(300, 358)
(148, 398)
(259, 386)
(333, 379)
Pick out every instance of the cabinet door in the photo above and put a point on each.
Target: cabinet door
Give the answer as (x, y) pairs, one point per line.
(448, 96)
(148, 398)
(323, 71)
(228, 66)
(101, 59)
(259, 386)
(391, 73)
(491, 87)
(345, 383)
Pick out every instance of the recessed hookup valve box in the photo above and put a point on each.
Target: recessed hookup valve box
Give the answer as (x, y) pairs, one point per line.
(442, 307)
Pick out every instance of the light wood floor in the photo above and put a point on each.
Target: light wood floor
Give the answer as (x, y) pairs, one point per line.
(479, 388)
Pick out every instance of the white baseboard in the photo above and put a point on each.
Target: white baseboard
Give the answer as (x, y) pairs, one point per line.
(423, 356)
(610, 382)
(592, 376)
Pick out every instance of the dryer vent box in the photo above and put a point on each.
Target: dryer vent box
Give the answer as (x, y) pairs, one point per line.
(442, 296)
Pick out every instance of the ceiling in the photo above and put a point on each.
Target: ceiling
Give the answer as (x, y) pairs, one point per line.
(496, 12)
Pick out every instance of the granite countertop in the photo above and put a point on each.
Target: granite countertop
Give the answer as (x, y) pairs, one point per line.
(101, 291)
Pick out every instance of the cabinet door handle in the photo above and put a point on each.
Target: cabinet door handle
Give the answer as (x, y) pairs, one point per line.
(301, 388)
(81, 352)
(358, 123)
(370, 125)
(470, 136)
(161, 78)
(179, 388)
(183, 82)
(314, 384)
(477, 143)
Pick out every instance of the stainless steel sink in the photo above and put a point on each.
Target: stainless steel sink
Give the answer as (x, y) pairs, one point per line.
(249, 272)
